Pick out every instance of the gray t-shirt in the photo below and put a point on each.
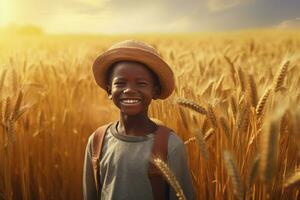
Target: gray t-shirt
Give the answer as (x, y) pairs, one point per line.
(124, 167)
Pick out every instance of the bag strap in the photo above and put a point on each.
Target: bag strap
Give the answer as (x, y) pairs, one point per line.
(160, 188)
(99, 136)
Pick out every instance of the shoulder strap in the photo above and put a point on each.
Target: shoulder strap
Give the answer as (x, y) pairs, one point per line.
(96, 153)
(159, 149)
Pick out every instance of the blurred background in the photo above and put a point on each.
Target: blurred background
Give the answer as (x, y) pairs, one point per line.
(166, 16)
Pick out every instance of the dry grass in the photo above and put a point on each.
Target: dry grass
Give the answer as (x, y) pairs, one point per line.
(50, 104)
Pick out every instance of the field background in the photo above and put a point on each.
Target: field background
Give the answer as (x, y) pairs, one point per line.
(239, 147)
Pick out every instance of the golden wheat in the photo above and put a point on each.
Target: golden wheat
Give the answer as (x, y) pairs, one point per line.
(212, 116)
(201, 142)
(262, 102)
(17, 105)
(293, 180)
(269, 149)
(241, 78)
(170, 177)
(49, 102)
(192, 105)
(278, 81)
(252, 91)
(254, 168)
(234, 175)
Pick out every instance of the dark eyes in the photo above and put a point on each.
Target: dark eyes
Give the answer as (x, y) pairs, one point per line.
(121, 83)
(142, 83)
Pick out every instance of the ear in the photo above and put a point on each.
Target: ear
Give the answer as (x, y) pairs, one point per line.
(108, 90)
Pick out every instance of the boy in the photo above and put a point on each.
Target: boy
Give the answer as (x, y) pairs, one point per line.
(132, 73)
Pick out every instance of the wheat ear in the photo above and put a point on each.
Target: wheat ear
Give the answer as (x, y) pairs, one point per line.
(201, 142)
(170, 177)
(262, 102)
(17, 105)
(191, 139)
(2, 80)
(208, 134)
(243, 117)
(234, 175)
(233, 106)
(269, 148)
(211, 116)
(6, 115)
(225, 127)
(242, 78)
(293, 180)
(253, 171)
(278, 81)
(232, 69)
(252, 91)
(191, 105)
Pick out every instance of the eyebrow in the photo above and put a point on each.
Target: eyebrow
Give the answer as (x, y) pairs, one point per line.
(138, 78)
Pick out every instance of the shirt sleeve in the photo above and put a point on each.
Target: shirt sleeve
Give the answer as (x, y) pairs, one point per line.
(89, 188)
(178, 163)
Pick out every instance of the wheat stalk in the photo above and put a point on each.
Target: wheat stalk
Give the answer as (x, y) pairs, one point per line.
(170, 177)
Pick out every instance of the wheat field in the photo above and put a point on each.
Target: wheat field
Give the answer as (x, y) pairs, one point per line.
(236, 107)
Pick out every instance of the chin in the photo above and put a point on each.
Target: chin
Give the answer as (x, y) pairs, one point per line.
(132, 112)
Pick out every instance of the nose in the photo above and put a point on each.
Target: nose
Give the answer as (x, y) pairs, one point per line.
(129, 90)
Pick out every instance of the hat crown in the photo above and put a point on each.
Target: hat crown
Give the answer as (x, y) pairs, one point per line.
(135, 44)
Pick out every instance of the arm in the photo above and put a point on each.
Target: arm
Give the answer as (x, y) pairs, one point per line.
(89, 188)
(179, 165)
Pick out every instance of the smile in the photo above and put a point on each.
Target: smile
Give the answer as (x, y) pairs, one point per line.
(130, 101)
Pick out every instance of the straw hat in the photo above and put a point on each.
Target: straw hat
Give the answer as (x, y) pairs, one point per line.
(132, 50)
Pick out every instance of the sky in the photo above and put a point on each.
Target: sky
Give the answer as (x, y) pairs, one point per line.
(140, 16)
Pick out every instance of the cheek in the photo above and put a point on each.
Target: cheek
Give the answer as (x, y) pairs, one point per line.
(115, 95)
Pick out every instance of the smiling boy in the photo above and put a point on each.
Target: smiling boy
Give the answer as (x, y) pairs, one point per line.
(133, 74)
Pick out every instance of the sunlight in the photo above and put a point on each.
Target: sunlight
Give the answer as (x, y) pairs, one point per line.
(5, 12)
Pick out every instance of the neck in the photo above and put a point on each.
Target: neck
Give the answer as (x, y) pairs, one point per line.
(138, 125)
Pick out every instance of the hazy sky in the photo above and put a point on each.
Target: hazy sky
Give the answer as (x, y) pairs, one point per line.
(123, 16)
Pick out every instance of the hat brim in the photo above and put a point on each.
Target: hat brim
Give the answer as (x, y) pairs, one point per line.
(154, 62)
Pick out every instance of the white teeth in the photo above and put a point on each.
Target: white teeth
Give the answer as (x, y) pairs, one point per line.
(130, 101)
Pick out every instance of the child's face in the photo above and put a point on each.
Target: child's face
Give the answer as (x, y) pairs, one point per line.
(132, 87)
